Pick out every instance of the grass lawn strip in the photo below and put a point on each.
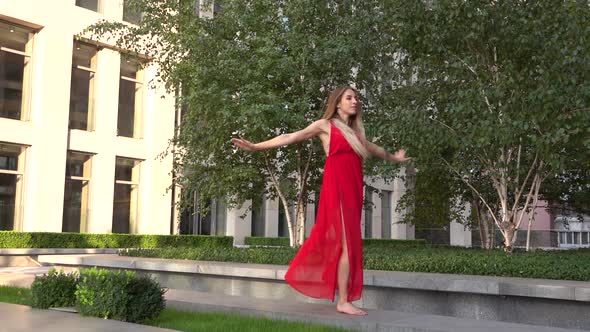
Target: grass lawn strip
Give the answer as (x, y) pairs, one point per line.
(195, 321)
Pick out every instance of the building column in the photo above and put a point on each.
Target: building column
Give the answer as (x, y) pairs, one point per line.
(399, 230)
(237, 226)
(377, 217)
(271, 216)
(459, 233)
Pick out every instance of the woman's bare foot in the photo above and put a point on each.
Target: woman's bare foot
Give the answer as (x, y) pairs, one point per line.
(350, 309)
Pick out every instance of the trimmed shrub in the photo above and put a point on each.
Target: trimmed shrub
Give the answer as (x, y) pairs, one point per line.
(118, 295)
(564, 265)
(391, 243)
(12, 239)
(267, 241)
(55, 289)
(373, 243)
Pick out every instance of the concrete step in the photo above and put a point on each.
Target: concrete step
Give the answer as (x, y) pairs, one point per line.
(376, 320)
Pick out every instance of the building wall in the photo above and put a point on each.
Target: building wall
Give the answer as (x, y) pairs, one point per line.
(48, 139)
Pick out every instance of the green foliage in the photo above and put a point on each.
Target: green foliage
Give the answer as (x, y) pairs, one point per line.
(118, 295)
(55, 289)
(493, 90)
(11, 239)
(377, 255)
(379, 243)
(256, 70)
(266, 241)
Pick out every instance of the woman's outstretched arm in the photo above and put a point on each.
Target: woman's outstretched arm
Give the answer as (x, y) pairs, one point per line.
(310, 131)
(376, 150)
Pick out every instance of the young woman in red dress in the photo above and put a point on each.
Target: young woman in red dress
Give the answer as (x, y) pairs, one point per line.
(331, 258)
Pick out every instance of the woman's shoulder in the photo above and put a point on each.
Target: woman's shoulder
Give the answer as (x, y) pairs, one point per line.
(323, 124)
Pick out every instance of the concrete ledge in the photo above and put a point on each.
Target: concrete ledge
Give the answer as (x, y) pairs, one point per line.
(55, 251)
(499, 286)
(376, 320)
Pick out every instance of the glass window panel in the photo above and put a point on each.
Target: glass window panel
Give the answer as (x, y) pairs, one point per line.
(122, 208)
(13, 37)
(386, 215)
(576, 237)
(130, 12)
(570, 238)
(9, 156)
(562, 238)
(585, 237)
(79, 99)
(258, 216)
(129, 67)
(124, 169)
(88, 4)
(8, 190)
(72, 213)
(83, 54)
(126, 114)
(12, 67)
(75, 164)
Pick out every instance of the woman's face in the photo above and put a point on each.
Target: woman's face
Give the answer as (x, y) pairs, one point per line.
(348, 104)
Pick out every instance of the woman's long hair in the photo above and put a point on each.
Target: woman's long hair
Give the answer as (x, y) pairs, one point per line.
(354, 131)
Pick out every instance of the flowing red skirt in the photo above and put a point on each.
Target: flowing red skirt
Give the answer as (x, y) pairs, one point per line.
(313, 271)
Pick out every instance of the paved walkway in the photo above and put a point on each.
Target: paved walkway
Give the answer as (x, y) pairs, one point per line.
(19, 318)
(22, 318)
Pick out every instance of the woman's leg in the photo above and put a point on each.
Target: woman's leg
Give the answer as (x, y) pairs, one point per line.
(342, 278)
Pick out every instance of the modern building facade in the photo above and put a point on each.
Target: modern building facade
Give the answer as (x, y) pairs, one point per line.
(80, 129)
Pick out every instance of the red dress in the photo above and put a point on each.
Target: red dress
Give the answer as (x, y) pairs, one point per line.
(313, 271)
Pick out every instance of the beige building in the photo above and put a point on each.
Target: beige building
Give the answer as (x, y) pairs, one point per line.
(80, 129)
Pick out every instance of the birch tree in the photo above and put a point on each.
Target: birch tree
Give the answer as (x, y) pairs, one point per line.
(495, 91)
(254, 69)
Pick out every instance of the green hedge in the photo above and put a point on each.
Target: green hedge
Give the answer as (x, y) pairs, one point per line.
(565, 265)
(55, 289)
(11, 239)
(284, 242)
(267, 241)
(118, 295)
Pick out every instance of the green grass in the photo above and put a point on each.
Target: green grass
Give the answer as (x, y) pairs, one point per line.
(221, 322)
(15, 295)
(195, 321)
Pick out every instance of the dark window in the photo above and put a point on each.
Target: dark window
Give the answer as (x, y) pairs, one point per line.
(14, 62)
(125, 195)
(130, 91)
(88, 4)
(75, 209)
(82, 87)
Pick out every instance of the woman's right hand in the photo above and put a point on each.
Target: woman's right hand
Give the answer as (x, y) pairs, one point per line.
(244, 144)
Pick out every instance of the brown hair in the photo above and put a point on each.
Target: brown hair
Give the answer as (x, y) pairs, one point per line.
(353, 128)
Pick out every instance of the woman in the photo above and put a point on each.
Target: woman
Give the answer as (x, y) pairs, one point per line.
(331, 258)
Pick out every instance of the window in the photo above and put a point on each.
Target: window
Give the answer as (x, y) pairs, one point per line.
(125, 195)
(11, 180)
(82, 87)
(15, 60)
(75, 212)
(130, 95)
(386, 214)
(88, 4)
(574, 239)
(131, 13)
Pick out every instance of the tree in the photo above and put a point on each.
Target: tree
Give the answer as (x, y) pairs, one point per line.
(255, 69)
(494, 90)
